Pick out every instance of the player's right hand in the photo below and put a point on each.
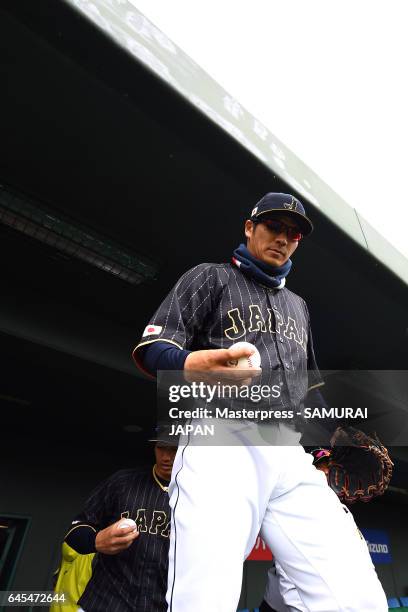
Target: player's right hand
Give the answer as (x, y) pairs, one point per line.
(113, 540)
(215, 361)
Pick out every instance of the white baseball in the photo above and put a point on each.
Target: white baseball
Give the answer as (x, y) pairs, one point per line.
(127, 523)
(246, 363)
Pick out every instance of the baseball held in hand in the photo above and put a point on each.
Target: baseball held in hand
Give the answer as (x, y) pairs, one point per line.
(127, 523)
(246, 363)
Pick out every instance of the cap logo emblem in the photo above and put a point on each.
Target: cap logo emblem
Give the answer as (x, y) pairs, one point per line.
(290, 205)
(254, 211)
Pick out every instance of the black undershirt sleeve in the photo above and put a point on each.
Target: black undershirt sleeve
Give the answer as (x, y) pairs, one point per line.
(96, 513)
(82, 539)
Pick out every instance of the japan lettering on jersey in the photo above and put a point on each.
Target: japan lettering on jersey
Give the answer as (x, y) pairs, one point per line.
(215, 305)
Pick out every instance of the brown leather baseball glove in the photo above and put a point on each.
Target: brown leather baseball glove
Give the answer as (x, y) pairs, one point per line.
(359, 467)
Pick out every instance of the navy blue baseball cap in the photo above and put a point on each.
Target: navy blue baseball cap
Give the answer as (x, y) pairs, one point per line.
(283, 202)
(161, 435)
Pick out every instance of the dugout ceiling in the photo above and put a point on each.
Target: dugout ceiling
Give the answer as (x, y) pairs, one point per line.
(96, 125)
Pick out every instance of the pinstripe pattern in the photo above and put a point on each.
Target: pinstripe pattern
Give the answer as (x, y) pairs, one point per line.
(135, 579)
(215, 305)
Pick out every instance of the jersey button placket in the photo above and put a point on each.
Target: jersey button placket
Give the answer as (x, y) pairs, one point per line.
(278, 338)
(279, 343)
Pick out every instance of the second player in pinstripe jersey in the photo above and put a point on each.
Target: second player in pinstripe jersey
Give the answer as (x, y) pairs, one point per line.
(130, 569)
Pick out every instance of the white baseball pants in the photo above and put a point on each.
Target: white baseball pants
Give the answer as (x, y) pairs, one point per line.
(280, 593)
(223, 496)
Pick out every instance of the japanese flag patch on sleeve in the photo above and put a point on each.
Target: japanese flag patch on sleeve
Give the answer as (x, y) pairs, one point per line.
(152, 330)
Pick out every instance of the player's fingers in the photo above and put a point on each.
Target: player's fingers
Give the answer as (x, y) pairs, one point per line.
(238, 373)
(131, 537)
(122, 531)
(127, 537)
(223, 356)
(238, 352)
(220, 372)
(118, 545)
(117, 548)
(238, 381)
(245, 377)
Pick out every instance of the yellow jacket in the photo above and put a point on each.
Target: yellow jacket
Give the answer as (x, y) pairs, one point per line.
(73, 576)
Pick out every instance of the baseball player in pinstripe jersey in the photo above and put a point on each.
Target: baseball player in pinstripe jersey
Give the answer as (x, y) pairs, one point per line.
(130, 569)
(221, 499)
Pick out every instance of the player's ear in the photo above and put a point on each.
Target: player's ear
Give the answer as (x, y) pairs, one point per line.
(249, 228)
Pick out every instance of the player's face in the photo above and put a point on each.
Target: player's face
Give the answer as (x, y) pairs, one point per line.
(269, 246)
(323, 466)
(164, 459)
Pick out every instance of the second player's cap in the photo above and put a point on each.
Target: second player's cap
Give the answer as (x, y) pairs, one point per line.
(161, 435)
(278, 202)
(320, 454)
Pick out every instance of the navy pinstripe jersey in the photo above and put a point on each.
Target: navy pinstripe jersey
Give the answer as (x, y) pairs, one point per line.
(216, 305)
(134, 580)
